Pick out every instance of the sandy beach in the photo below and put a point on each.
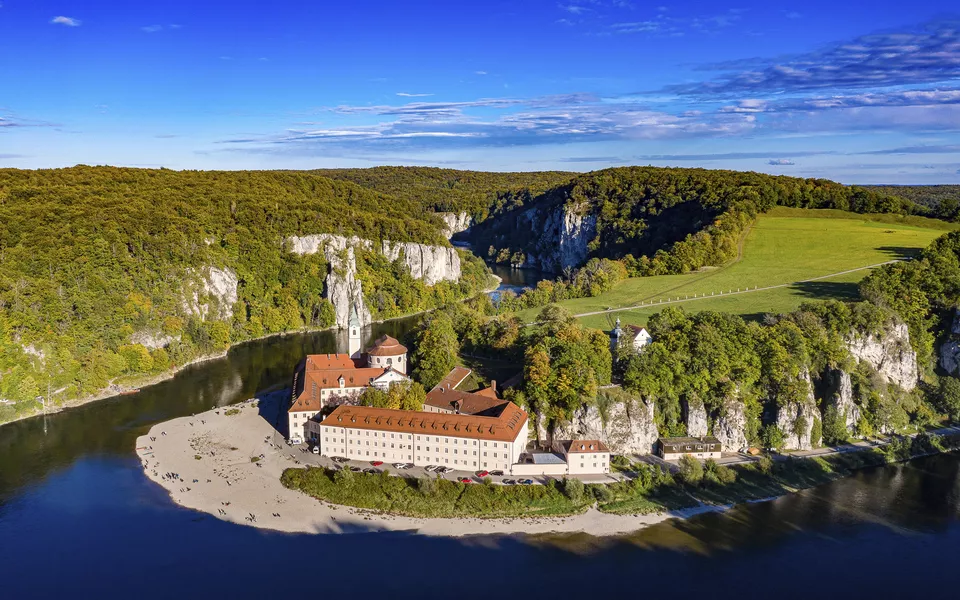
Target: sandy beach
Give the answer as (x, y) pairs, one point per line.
(211, 456)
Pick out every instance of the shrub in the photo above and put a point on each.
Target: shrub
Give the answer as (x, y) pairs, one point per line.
(573, 489)
(691, 471)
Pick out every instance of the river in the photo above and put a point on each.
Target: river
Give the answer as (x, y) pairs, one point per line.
(79, 519)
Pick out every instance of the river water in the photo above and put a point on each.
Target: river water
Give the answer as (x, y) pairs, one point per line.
(79, 519)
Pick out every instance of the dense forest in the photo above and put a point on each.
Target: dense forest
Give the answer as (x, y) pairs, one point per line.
(942, 200)
(100, 268)
(477, 193)
(725, 365)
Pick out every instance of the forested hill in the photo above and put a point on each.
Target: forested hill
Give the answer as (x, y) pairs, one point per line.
(658, 220)
(943, 200)
(110, 273)
(477, 193)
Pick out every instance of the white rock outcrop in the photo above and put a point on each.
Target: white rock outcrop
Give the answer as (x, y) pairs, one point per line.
(455, 222)
(211, 293)
(950, 349)
(842, 400)
(696, 415)
(152, 340)
(563, 235)
(627, 427)
(730, 426)
(795, 419)
(891, 355)
(344, 288)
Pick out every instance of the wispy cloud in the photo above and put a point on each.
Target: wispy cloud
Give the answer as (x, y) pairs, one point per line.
(665, 25)
(408, 95)
(152, 28)
(932, 149)
(479, 72)
(495, 122)
(926, 54)
(781, 162)
(68, 21)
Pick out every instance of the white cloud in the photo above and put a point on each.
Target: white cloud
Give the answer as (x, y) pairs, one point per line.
(408, 95)
(781, 162)
(68, 21)
(479, 72)
(152, 28)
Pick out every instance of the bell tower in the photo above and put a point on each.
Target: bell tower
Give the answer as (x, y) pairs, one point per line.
(355, 330)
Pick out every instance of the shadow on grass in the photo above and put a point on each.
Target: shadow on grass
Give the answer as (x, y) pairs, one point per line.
(899, 252)
(828, 290)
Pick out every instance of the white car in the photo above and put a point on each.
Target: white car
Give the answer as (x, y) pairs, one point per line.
(430, 468)
(399, 465)
(316, 450)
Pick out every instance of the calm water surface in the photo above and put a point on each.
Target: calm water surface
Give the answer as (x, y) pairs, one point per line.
(78, 519)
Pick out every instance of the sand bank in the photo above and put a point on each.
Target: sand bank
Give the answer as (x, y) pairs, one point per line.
(212, 454)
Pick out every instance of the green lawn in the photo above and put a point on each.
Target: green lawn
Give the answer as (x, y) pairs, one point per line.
(784, 246)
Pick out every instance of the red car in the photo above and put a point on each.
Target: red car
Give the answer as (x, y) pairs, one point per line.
(376, 463)
(482, 474)
(464, 480)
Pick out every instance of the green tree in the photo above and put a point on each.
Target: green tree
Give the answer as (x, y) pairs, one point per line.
(435, 349)
(691, 470)
(948, 398)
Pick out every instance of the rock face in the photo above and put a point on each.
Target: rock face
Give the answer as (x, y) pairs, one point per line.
(802, 413)
(429, 263)
(152, 339)
(731, 425)
(344, 288)
(950, 350)
(696, 415)
(562, 234)
(211, 293)
(841, 398)
(455, 222)
(891, 355)
(628, 428)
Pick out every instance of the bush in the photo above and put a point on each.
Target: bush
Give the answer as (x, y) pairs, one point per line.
(691, 471)
(573, 489)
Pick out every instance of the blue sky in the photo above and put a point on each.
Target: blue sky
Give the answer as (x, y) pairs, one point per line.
(860, 92)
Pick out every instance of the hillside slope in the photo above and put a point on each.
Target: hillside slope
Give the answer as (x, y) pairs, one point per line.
(109, 273)
(659, 220)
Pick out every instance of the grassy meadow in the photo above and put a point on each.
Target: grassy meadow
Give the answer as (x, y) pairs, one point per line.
(785, 246)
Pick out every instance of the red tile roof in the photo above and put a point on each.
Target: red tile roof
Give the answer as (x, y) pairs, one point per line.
(504, 428)
(445, 396)
(330, 379)
(329, 361)
(387, 346)
(585, 446)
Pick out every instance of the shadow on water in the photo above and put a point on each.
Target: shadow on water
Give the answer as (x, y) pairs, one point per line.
(79, 518)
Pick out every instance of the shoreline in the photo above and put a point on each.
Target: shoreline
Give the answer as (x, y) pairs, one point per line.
(151, 380)
(226, 483)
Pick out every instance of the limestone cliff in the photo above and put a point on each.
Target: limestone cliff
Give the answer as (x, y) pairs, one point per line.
(890, 354)
(344, 289)
(626, 427)
(561, 235)
(152, 339)
(950, 350)
(840, 396)
(696, 415)
(730, 426)
(455, 222)
(795, 419)
(210, 293)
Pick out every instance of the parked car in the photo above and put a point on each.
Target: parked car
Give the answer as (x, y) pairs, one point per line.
(525, 481)
(482, 474)
(509, 481)
(409, 466)
(316, 450)
(355, 469)
(372, 471)
(376, 463)
(464, 480)
(443, 469)
(497, 473)
(430, 468)
(399, 465)
(340, 459)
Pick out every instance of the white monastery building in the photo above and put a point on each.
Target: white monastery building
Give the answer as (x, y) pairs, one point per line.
(323, 380)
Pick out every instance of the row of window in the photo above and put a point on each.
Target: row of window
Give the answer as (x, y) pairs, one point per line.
(438, 439)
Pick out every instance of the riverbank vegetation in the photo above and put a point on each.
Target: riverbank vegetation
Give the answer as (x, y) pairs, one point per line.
(647, 489)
